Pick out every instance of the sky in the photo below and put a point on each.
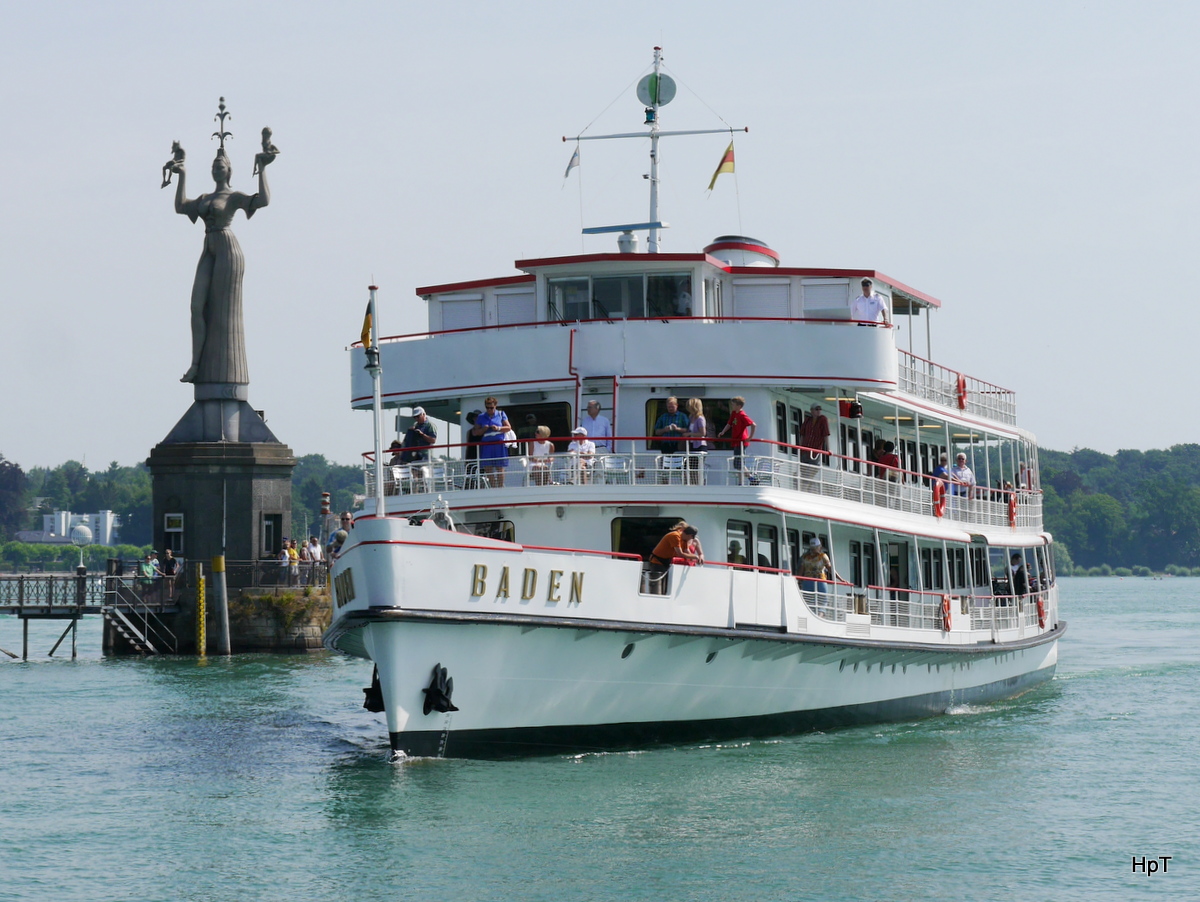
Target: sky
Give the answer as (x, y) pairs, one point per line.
(1031, 165)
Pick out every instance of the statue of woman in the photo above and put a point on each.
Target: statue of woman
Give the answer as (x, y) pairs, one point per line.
(218, 343)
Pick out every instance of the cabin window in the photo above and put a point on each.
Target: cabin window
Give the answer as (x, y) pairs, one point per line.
(712, 290)
(932, 570)
(570, 299)
(669, 294)
(618, 297)
(980, 576)
(639, 535)
(1043, 569)
(794, 549)
(957, 558)
(491, 529)
(781, 425)
(556, 415)
(737, 541)
(766, 549)
(796, 420)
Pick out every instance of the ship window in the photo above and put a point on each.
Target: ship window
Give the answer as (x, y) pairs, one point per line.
(932, 570)
(958, 568)
(979, 568)
(492, 529)
(794, 549)
(639, 535)
(615, 297)
(862, 564)
(766, 549)
(781, 425)
(796, 420)
(737, 541)
(556, 415)
(712, 289)
(669, 294)
(569, 299)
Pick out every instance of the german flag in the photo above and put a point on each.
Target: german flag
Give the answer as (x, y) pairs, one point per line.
(366, 329)
(726, 165)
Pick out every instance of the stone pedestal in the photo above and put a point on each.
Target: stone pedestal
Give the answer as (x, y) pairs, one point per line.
(240, 489)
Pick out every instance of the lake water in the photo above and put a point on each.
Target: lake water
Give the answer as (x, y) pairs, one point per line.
(260, 777)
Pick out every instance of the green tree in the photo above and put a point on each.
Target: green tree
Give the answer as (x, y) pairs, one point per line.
(12, 497)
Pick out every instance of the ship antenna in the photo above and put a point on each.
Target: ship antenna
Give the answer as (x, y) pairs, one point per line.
(655, 90)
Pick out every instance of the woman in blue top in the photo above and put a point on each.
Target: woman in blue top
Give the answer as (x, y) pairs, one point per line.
(490, 427)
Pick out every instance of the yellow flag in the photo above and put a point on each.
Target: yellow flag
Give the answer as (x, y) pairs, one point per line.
(726, 165)
(366, 329)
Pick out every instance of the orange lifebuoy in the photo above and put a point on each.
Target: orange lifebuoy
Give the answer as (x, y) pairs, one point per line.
(962, 392)
(939, 498)
(1041, 605)
(1012, 511)
(946, 613)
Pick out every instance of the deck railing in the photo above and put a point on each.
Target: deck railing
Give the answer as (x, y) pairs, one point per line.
(840, 602)
(955, 390)
(842, 478)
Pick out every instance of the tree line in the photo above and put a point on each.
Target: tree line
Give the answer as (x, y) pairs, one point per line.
(1133, 510)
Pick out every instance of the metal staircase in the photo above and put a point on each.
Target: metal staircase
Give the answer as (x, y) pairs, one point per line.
(137, 621)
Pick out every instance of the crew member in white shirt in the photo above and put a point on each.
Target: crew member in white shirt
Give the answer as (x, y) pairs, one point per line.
(870, 306)
(598, 427)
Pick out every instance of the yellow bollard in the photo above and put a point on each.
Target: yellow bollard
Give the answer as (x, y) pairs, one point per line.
(201, 613)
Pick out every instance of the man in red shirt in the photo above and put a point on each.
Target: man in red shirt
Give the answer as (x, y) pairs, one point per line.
(740, 428)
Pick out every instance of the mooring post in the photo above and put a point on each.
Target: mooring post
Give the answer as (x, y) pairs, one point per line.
(221, 600)
(201, 613)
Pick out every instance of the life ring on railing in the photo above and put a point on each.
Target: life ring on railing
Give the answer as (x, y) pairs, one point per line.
(962, 392)
(1041, 605)
(939, 498)
(946, 613)
(1012, 510)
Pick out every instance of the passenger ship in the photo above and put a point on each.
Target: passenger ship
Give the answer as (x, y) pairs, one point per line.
(514, 614)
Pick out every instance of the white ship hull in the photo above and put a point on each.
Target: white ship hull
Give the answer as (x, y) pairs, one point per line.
(585, 664)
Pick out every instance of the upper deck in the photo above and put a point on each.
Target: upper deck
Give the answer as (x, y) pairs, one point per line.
(731, 315)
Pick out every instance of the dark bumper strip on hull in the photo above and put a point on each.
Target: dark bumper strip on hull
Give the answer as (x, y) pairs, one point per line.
(577, 738)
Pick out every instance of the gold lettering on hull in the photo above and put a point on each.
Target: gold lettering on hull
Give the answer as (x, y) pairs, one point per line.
(529, 583)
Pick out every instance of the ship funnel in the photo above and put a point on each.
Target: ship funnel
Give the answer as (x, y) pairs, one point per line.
(738, 250)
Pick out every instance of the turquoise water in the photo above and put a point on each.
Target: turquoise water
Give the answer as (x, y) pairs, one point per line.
(260, 777)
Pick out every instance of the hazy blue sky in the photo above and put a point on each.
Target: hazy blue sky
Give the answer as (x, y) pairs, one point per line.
(1032, 165)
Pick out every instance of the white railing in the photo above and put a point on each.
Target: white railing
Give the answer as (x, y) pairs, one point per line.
(909, 492)
(955, 390)
(923, 609)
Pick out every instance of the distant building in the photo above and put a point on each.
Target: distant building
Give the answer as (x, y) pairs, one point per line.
(56, 528)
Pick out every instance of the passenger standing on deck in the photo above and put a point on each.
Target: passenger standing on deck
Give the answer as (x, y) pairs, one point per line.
(490, 427)
(869, 307)
(598, 427)
(418, 438)
(814, 436)
(471, 452)
(673, 545)
(815, 565)
(1020, 580)
(740, 428)
(697, 432)
(961, 477)
(673, 423)
(539, 456)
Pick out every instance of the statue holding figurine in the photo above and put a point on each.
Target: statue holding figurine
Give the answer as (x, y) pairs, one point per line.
(218, 341)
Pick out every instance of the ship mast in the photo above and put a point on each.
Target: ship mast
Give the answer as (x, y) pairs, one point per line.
(655, 90)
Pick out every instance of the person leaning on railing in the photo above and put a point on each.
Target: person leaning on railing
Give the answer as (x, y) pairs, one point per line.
(675, 544)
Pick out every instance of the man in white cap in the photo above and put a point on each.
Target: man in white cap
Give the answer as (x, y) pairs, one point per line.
(869, 307)
(418, 438)
(597, 426)
(584, 450)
